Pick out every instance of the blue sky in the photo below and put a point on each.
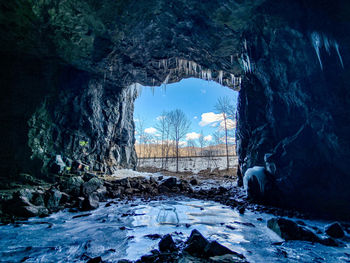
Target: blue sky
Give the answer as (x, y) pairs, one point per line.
(196, 97)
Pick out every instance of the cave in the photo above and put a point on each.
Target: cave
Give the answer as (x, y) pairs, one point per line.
(70, 72)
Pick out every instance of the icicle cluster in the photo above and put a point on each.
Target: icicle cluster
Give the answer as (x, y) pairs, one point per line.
(192, 68)
(236, 81)
(247, 66)
(135, 89)
(321, 40)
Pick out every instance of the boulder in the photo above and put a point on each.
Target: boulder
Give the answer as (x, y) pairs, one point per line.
(184, 185)
(162, 189)
(169, 183)
(88, 176)
(72, 185)
(334, 230)
(38, 198)
(196, 244)
(149, 258)
(289, 230)
(194, 181)
(95, 260)
(167, 244)
(52, 199)
(102, 193)
(90, 202)
(215, 249)
(91, 186)
(29, 211)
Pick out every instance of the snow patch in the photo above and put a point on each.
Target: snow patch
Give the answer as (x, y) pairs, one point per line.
(259, 173)
(128, 173)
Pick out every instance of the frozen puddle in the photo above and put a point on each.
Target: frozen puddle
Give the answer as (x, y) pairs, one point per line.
(119, 231)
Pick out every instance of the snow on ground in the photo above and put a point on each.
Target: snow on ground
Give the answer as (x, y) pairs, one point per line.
(127, 173)
(190, 164)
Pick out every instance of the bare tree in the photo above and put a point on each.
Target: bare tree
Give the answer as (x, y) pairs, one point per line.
(140, 134)
(201, 142)
(224, 107)
(163, 127)
(179, 125)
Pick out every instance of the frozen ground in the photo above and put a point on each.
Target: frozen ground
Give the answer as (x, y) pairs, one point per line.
(190, 164)
(119, 231)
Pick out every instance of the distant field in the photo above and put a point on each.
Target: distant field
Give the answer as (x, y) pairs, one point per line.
(189, 164)
(155, 150)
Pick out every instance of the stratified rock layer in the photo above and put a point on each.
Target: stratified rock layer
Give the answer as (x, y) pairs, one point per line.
(68, 70)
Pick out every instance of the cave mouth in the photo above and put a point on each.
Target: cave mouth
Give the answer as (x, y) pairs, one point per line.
(68, 71)
(208, 134)
(72, 66)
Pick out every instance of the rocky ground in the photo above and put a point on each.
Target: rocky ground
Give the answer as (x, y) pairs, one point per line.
(83, 193)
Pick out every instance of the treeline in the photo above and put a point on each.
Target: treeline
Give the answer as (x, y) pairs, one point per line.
(167, 140)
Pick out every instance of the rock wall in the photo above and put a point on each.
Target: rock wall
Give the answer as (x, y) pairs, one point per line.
(68, 66)
(293, 114)
(89, 122)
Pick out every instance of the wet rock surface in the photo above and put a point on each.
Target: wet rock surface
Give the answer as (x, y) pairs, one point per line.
(205, 251)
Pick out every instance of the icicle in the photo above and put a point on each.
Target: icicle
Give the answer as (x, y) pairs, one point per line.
(231, 59)
(316, 42)
(326, 44)
(245, 44)
(221, 74)
(336, 46)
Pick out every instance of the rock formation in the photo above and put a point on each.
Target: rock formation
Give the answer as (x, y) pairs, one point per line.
(69, 68)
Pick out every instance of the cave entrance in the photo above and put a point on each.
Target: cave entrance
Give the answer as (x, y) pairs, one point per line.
(186, 127)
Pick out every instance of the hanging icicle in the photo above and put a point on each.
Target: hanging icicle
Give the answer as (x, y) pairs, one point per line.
(317, 43)
(221, 74)
(336, 46)
(320, 40)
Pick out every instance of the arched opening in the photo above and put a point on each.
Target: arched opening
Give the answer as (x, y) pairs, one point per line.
(207, 137)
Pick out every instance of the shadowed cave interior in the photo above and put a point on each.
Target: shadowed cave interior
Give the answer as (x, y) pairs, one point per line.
(70, 71)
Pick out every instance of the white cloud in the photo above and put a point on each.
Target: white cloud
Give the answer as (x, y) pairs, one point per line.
(208, 138)
(209, 118)
(195, 117)
(160, 118)
(203, 91)
(151, 130)
(231, 125)
(192, 136)
(213, 119)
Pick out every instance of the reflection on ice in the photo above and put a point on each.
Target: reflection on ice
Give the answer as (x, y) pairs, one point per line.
(168, 215)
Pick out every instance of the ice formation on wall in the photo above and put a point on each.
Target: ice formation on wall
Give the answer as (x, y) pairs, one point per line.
(247, 66)
(317, 43)
(192, 68)
(320, 40)
(135, 89)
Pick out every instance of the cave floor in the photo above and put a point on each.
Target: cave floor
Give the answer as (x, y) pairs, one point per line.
(125, 229)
